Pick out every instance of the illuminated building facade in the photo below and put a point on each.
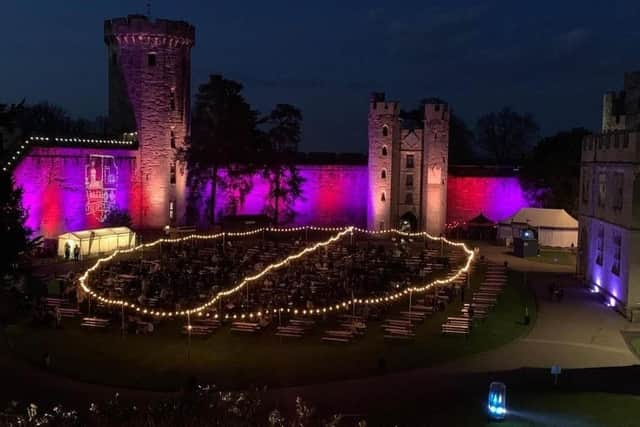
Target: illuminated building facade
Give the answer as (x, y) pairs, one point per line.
(609, 233)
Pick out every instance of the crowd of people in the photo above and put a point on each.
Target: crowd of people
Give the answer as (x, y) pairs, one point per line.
(182, 275)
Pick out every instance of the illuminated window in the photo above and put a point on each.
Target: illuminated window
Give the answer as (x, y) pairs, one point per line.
(409, 161)
(172, 173)
(385, 130)
(602, 189)
(383, 175)
(151, 60)
(408, 198)
(585, 186)
(382, 197)
(172, 209)
(173, 139)
(384, 151)
(617, 249)
(600, 246)
(618, 185)
(172, 99)
(409, 180)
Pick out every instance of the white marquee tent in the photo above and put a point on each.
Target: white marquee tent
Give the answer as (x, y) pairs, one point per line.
(555, 227)
(96, 241)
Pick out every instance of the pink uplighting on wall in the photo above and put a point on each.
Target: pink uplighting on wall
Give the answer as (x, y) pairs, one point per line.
(496, 197)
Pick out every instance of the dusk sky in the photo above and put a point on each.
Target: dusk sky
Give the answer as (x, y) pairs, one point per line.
(551, 58)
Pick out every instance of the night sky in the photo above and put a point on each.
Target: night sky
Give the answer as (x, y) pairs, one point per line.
(551, 58)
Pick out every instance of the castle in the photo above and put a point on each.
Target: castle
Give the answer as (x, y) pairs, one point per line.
(407, 167)
(72, 183)
(609, 232)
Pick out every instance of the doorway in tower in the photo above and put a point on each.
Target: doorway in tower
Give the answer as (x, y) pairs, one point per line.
(409, 222)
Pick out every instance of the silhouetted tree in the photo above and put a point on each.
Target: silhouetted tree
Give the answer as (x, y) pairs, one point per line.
(223, 135)
(15, 234)
(461, 149)
(506, 136)
(551, 171)
(280, 170)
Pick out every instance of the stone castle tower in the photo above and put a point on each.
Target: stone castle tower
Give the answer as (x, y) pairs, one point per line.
(149, 92)
(407, 167)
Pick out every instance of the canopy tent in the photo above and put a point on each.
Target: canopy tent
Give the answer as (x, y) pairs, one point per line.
(555, 227)
(481, 228)
(96, 241)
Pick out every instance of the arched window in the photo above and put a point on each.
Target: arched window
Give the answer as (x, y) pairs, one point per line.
(384, 150)
(382, 197)
(383, 174)
(385, 130)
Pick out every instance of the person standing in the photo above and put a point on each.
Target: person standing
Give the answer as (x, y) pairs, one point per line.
(76, 252)
(67, 251)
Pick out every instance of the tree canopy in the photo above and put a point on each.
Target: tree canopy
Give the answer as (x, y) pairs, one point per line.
(223, 136)
(552, 170)
(285, 182)
(461, 138)
(506, 135)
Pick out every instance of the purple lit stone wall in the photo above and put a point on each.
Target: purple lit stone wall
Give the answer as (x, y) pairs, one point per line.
(495, 197)
(332, 195)
(54, 187)
(56, 195)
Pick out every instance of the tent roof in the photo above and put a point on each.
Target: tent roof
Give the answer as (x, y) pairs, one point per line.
(480, 220)
(543, 218)
(97, 232)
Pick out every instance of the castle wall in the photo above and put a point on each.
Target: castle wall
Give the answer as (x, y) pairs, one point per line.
(496, 197)
(59, 194)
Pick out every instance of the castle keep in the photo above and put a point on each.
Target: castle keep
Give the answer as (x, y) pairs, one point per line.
(149, 91)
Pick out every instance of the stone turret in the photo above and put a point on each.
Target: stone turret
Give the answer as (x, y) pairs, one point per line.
(436, 159)
(149, 92)
(384, 129)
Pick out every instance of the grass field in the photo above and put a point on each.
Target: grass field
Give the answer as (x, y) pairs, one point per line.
(635, 345)
(163, 361)
(525, 409)
(549, 256)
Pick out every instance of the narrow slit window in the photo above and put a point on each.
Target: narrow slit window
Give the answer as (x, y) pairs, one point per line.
(172, 173)
(172, 99)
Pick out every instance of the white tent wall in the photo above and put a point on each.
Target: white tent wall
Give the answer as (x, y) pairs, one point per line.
(98, 241)
(557, 238)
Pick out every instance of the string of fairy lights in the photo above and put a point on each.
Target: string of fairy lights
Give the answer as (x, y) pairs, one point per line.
(341, 232)
(12, 160)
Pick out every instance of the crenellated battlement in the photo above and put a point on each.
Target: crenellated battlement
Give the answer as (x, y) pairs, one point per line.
(379, 105)
(138, 29)
(436, 111)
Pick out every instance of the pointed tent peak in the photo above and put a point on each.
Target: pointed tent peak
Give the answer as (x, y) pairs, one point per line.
(480, 220)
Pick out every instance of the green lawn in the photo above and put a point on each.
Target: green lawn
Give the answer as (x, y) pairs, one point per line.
(525, 409)
(558, 257)
(635, 345)
(163, 361)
